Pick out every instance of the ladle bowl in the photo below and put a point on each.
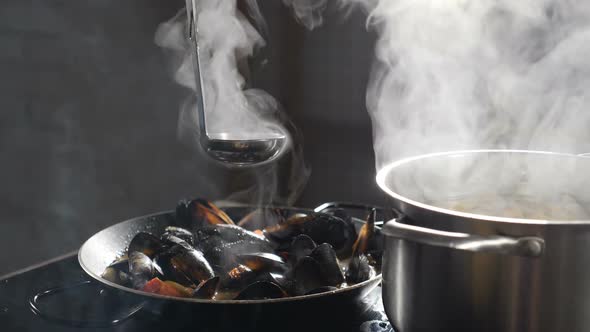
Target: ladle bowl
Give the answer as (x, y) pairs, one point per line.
(230, 149)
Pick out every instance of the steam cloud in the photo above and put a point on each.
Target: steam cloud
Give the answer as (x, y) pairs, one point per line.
(227, 39)
(470, 74)
(448, 74)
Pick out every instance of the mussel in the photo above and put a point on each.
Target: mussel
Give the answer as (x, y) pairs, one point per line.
(200, 212)
(192, 263)
(366, 234)
(251, 268)
(118, 272)
(261, 261)
(142, 269)
(222, 243)
(208, 257)
(321, 227)
(145, 243)
(359, 268)
(301, 246)
(261, 290)
(206, 289)
(330, 267)
(304, 277)
(178, 232)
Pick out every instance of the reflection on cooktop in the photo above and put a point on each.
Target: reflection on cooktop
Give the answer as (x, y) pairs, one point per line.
(60, 297)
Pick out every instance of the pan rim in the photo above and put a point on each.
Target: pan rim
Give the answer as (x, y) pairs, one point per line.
(387, 170)
(376, 279)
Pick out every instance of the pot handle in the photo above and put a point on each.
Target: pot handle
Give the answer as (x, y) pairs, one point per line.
(528, 246)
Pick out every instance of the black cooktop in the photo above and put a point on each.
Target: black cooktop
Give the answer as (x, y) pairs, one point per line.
(36, 300)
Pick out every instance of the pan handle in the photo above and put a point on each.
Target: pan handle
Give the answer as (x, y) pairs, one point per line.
(383, 213)
(36, 304)
(528, 246)
(343, 205)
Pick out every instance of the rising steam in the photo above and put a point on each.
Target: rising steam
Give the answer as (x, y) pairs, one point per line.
(226, 40)
(466, 74)
(480, 74)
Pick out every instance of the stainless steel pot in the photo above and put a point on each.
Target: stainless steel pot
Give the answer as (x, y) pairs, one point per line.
(490, 240)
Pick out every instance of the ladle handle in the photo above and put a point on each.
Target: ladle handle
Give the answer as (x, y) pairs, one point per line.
(529, 246)
(192, 28)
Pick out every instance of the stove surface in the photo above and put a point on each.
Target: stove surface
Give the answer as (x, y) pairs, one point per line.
(64, 299)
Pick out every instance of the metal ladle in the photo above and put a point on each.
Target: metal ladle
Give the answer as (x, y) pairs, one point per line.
(229, 148)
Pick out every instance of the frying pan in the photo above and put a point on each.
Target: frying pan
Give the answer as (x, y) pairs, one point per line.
(100, 250)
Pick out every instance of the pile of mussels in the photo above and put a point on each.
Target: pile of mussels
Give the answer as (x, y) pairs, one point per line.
(267, 254)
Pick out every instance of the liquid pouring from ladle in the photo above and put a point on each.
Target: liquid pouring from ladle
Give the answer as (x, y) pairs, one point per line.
(231, 149)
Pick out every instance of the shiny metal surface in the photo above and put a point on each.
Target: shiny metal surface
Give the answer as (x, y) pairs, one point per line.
(432, 283)
(523, 246)
(104, 247)
(229, 148)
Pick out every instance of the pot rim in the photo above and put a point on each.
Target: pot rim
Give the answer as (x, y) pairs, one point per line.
(385, 171)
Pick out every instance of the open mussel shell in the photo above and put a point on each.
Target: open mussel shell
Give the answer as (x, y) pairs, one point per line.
(366, 235)
(199, 212)
(207, 289)
(262, 290)
(145, 243)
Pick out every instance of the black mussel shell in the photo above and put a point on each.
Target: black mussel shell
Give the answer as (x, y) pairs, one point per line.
(142, 269)
(222, 243)
(366, 234)
(118, 271)
(322, 289)
(301, 246)
(169, 270)
(145, 243)
(261, 261)
(321, 227)
(170, 240)
(359, 270)
(261, 290)
(206, 289)
(200, 212)
(238, 278)
(305, 276)
(180, 233)
(192, 263)
(330, 268)
(121, 264)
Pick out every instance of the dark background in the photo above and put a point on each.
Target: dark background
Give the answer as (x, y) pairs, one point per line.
(88, 118)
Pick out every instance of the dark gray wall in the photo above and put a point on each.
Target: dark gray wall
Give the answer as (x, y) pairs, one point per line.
(88, 118)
